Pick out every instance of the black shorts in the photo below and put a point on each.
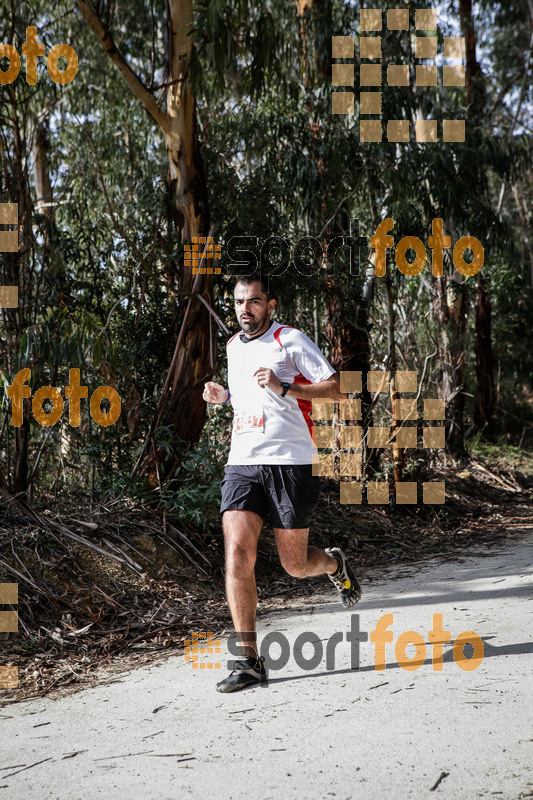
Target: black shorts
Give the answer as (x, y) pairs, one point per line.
(289, 493)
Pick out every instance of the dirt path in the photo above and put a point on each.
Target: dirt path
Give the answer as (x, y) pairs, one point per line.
(330, 731)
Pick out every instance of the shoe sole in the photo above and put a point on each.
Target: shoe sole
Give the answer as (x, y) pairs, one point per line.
(352, 598)
(239, 686)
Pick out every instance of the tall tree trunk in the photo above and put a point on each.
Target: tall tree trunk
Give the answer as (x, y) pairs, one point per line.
(346, 313)
(484, 411)
(181, 406)
(485, 400)
(18, 269)
(397, 452)
(526, 228)
(475, 90)
(451, 315)
(186, 169)
(475, 87)
(41, 172)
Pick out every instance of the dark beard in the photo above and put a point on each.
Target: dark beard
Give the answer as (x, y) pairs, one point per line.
(250, 328)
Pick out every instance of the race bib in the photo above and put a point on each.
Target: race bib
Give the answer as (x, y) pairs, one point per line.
(249, 422)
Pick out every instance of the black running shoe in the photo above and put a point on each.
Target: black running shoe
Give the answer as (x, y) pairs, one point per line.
(344, 579)
(249, 672)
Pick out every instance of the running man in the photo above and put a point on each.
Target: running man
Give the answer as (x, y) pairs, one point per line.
(274, 371)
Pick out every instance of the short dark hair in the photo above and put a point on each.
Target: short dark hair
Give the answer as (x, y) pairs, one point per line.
(256, 277)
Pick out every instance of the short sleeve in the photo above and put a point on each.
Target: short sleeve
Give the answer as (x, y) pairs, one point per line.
(306, 357)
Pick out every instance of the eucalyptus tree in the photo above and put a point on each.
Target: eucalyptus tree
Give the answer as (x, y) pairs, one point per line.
(31, 337)
(173, 55)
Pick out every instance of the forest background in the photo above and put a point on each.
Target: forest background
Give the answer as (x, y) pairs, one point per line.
(213, 118)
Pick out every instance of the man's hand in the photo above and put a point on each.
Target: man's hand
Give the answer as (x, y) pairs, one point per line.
(265, 377)
(214, 393)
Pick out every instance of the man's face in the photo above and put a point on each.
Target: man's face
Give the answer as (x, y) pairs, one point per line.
(252, 308)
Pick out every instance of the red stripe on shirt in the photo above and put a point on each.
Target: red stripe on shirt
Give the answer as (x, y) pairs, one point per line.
(232, 338)
(277, 333)
(306, 406)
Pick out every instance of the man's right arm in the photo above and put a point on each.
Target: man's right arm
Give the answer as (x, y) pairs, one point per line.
(215, 393)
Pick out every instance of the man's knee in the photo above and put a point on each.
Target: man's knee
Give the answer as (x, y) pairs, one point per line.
(240, 558)
(295, 569)
(241, 531)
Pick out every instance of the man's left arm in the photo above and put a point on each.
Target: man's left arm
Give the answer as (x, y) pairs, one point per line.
(330, 388)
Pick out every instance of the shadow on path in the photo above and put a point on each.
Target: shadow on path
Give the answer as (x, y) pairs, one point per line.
(491, 651)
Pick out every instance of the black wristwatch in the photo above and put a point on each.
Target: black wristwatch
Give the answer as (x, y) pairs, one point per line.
(286, 387)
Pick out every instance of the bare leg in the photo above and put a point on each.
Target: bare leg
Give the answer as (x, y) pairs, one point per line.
(241, 532)
(298, 558)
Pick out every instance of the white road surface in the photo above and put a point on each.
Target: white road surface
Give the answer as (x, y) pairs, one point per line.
(163, 732)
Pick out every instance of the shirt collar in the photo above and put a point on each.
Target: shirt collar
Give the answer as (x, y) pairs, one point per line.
(246, 340)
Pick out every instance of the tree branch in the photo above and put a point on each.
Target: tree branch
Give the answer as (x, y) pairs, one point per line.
(104, 36)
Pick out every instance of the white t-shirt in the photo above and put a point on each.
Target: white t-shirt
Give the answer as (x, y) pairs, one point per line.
(269, 428)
